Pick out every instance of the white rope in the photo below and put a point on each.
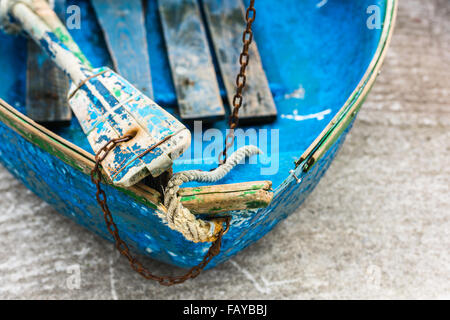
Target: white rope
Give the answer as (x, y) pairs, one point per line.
(180, 218)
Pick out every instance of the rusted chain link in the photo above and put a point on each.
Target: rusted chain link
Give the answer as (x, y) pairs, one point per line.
(214, 249)
(122, 247)
(241, 79)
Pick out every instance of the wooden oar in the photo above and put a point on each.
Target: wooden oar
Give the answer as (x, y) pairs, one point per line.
(225, 22)
(106, 105)
(47, 86)
(190, 60)
(123, 24)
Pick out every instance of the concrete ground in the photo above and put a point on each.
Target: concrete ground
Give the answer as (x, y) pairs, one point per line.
(377, 226)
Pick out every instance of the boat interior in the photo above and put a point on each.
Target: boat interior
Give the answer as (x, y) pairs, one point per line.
(313, 53)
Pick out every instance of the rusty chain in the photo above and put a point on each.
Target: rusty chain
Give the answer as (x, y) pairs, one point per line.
(241, 78)
(96, 175)
(122, 247)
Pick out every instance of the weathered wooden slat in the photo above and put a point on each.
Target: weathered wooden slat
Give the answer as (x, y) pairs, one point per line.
(123, 24)
(46, 86)
(190, 61)
(226, 24)
(229, 197)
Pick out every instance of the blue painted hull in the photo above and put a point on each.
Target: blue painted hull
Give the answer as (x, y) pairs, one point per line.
(328, 52)
(71, 193)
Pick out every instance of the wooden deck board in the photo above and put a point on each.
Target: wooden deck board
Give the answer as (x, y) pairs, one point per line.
(226, 24)
(190, 60)
(213, 200)
(124, 28)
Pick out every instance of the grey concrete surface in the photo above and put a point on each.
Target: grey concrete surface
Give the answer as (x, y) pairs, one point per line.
(377, 226)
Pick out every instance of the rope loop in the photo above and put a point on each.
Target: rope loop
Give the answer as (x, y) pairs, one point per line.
(177, 216)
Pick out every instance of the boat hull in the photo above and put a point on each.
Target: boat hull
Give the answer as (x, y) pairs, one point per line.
(71, 192)
(56, 167)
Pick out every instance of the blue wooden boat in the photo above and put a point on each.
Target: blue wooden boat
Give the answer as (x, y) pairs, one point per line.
(320, 57)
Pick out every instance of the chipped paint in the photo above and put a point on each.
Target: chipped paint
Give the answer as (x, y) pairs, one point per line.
(297, 117)
(321, 3)
(225, 20)
(190, 60)
(298, 93)
(188, 198)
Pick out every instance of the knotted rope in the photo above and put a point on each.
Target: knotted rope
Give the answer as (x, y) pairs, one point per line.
(180, 218)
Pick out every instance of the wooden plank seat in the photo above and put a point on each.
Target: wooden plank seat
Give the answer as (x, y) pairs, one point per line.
(190, 60)
(125, 34)
(226, 24)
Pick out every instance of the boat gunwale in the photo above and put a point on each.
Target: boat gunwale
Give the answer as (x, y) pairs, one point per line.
(84, 161)
(349, 110)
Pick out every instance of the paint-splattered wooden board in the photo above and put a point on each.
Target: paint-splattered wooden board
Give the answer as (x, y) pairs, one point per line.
(47, 86)
(109, 107)
(125, 34)
(190, 60)
(212, 200)
(226, 22)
